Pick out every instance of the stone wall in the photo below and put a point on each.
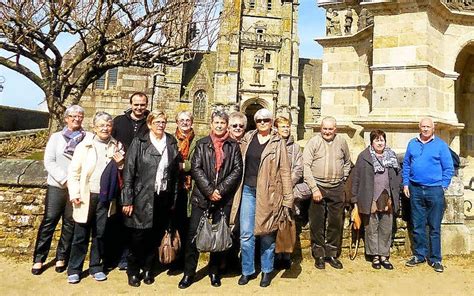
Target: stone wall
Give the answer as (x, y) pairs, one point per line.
(22, 192)
(15, 119)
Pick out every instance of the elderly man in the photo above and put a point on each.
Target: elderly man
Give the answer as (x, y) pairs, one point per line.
(237, 125)
(326, 165)
(217, 171)
(427, 172)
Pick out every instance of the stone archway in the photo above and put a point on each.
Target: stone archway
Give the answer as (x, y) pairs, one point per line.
(464, 99)
(249, 108)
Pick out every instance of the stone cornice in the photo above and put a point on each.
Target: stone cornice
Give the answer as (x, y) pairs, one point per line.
(362, 35)
(404, 123)
(429, 67)
(347, 86)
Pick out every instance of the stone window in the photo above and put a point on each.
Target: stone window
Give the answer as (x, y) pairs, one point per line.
(269, 5)
(252, 4)
(112, 77)
(199, 105)
(108, 80)
(268, 57)
(259, 33)
(100, 83)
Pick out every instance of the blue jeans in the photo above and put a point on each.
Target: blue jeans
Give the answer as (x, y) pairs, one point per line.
(427, 208)
(247, 238)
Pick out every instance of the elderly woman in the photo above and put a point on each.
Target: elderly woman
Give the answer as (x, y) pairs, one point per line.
(283, 126)
(150, 188)
(264, 195)
(217, 171)
(96, 158)
(57, 157)
(375, 188)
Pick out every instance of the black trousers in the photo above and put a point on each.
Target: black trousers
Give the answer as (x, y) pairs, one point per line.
(326, 219)
(180, 222)
(144, 243)
(216, 259)
(95, 228)
(57, 205)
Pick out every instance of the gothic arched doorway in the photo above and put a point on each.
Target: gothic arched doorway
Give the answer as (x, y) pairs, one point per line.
(464, 93)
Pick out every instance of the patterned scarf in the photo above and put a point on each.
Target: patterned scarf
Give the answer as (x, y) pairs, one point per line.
(72, 138)
(184, 142)
(388, 160)
(218, 142)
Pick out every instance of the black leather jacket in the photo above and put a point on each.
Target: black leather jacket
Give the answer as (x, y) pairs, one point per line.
(203, 171)
(139, 174)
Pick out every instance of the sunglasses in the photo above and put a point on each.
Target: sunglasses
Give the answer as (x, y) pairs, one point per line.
(237, 125)
(263, 120)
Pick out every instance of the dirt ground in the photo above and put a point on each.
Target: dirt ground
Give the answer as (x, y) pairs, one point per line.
(357, 278)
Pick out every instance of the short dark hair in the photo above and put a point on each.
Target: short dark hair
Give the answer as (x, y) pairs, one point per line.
(375, 134)
(220, 113)
(139, 94)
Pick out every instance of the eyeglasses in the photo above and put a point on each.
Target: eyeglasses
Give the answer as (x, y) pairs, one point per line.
(184, 120)
(76, 116)
(263, 120)
(235, 125)
(103, 126)
(158, 123)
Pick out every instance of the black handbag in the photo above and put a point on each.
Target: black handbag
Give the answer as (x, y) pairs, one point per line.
(213, 237)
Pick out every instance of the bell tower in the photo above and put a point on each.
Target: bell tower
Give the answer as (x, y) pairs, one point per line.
(257, 58)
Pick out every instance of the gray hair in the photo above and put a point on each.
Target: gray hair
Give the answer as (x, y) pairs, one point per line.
(221, 114)
(187, 113)
(329, 118)
(101, 115)
(263, 113)
(428, 119)
(240, 116)
(73, 109)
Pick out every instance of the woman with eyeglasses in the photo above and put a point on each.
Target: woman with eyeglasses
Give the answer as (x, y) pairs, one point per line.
(237, 126)
(266, 193)
(295, 155)
(57, 158)
(93, 184)
(150, 188)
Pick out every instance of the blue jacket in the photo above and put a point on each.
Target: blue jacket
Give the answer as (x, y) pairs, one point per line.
(428, 164)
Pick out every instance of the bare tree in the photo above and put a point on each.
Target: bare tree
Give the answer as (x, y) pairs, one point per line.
(110, 33)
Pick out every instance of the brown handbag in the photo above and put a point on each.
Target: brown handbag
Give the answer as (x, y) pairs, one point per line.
(169, 247)
(286, 235)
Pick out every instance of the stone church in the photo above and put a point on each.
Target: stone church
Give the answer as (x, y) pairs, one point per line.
(385, 64)
(255, 65)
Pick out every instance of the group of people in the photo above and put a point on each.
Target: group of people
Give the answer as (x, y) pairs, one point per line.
(130, 167)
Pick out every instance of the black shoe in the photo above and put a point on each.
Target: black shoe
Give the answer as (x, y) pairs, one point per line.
(376, 263)
(386, 264)
(285, 264)
(334, 262)
(414, 261)
(215, 280)
(37, 271)
(134, 280)
(148, 277)
(319, 263)
(437, 266)
(185, 282)
(266, 280)
(244, 279)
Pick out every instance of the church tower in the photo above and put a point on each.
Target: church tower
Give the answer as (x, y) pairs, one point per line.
(257, 58)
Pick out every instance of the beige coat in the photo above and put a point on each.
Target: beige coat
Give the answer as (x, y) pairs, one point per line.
(81, 168)
(274, 186)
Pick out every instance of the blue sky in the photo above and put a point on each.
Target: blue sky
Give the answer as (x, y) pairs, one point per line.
(20, 92)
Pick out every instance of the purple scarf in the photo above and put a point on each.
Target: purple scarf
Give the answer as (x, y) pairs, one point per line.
(72, 138)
